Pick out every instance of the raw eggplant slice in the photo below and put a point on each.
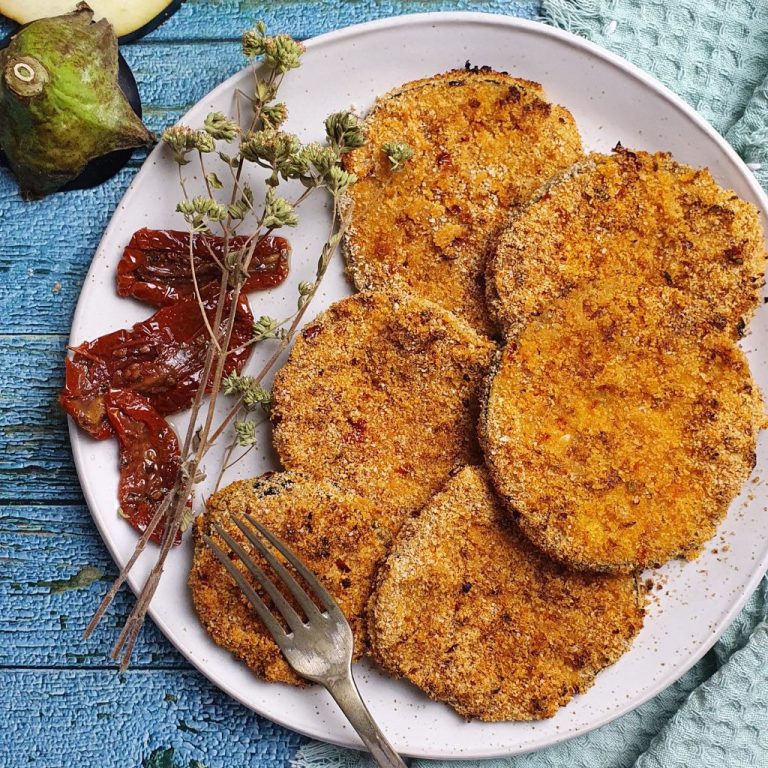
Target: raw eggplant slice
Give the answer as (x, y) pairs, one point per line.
(131, 20)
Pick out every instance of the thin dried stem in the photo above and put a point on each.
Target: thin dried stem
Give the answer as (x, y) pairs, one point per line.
(199, 298)
(200, 434)
(130, 633)
(205, 175)
(211, 253)
(183, 184)
(141, 544)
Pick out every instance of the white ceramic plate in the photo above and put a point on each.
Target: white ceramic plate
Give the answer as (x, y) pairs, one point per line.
(612, 101)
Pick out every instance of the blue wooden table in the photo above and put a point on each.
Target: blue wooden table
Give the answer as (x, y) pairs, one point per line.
(62, 703)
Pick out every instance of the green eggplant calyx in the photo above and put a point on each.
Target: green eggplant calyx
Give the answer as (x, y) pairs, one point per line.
(25, 76)
(60, 102)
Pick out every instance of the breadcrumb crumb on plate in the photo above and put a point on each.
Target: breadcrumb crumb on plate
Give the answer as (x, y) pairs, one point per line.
(468, 610)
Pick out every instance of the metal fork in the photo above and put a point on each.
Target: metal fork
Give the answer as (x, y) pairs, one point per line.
(320, 648)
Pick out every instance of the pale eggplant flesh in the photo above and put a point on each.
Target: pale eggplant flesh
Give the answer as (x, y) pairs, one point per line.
(130, 20)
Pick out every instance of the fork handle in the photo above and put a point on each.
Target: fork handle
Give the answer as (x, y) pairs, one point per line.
(346, 695)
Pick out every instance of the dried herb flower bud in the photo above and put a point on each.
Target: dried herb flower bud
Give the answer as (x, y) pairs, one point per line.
(344, 131)
(199, 209)
(204, 142)
(278, 212)
(253, 41)
(181, 140)
(232, 384)
(245, 433)
(283, 53)
(398, 154)
(266, 328)
(269, 148)
(274, 116)
(322, 159)
(219, 126)
(337, 180)
(255, 397)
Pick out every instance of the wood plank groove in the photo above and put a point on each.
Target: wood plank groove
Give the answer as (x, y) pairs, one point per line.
(62, 697)
(35, 456)
(42, 548)
(117, 721)
(201, 21)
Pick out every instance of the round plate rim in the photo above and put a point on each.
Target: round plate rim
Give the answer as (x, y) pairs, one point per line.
(443, 18)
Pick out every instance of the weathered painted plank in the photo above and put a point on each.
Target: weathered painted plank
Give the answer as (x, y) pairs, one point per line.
(54, 569)
(173, 76)
(60, 718)
(221, 20)
(46, 249)
(35, 459)
(47, 245)
(212, 19)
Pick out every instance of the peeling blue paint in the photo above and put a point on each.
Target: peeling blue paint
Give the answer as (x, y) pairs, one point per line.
(63, 702)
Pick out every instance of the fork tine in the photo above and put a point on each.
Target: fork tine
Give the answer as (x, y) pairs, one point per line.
(277, 632)
(281, 604)
(289, 580)
(287, 553)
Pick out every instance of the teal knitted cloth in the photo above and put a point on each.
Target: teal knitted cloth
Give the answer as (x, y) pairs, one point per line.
(714, 54)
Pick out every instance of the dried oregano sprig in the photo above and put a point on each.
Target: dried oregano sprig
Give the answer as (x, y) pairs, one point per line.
(226, 205)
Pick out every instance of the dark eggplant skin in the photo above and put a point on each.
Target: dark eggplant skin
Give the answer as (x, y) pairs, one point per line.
(152, 25)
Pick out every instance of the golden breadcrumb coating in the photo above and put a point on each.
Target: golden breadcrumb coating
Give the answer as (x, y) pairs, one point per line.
(631, 213)
(483, 142)
(468, 610)
(618, 438)
(335, 532)
(381, 394)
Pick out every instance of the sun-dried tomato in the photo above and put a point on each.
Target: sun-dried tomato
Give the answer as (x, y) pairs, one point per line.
(149, 458)
(161, 358)
(155, 265)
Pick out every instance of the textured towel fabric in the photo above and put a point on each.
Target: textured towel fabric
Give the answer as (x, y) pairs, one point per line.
(714, 54)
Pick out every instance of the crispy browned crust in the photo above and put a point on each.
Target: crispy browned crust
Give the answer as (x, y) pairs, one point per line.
(483, 141)
(616, 436)
(468, 610)
(335, 532)
(635, 214)
(380, 393)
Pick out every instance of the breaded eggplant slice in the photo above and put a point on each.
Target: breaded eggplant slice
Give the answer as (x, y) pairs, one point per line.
(617, 439)
(381, 394)
(483, 141)
(467, 609)
(334, 531)
(631, 213)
